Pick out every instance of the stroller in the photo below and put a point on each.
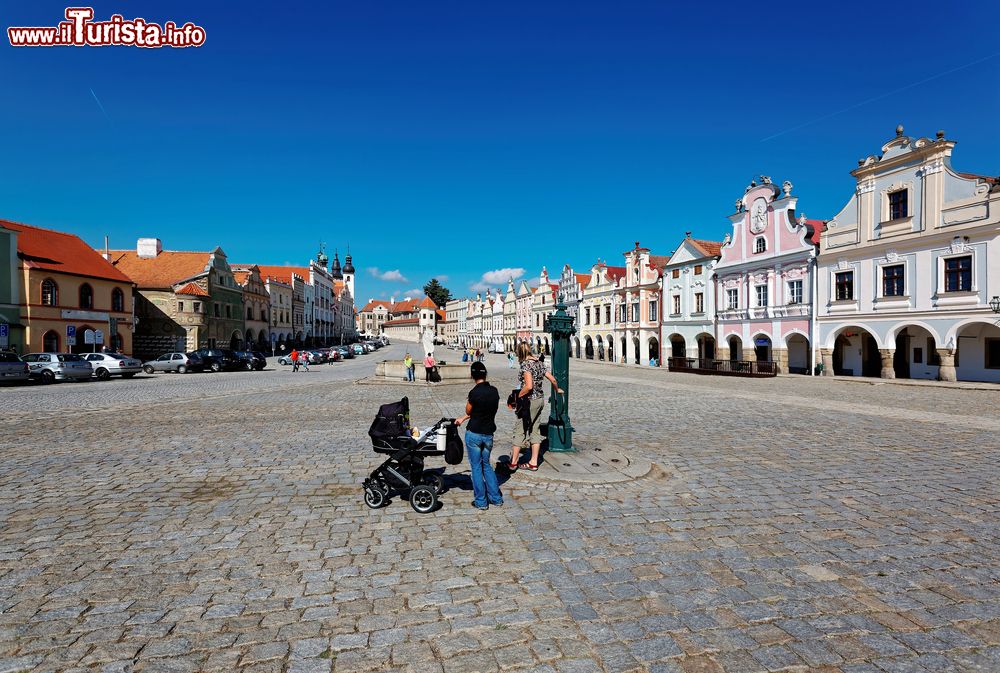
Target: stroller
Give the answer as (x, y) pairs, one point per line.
(403, 471)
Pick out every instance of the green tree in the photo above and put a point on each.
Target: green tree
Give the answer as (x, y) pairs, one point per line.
(438, 293)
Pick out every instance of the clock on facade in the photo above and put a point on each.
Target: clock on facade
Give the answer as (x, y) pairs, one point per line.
(758, 216)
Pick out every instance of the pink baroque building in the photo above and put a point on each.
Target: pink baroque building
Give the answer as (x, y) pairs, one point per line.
(764, 281)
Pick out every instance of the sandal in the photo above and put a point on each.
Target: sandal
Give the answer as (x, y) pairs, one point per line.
(531, 467)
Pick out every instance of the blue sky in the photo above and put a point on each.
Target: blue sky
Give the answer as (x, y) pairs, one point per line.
(456, 138)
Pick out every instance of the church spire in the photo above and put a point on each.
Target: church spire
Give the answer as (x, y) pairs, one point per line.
(335, 267)
(348, 266)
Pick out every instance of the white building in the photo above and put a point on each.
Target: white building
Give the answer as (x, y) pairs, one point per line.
(595, 339)
(496, 344)
(907, 269)
(510, 316)
(571, 289)
(543, 304)
(688, 329)
(638, 306)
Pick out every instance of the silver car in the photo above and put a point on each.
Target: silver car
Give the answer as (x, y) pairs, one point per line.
(107, 365)
(51, 367)
(12, 368)
(173, 362)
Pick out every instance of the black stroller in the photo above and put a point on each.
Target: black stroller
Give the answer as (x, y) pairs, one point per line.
(403, 471)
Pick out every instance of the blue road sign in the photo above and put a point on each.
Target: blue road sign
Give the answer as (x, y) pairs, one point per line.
(4, 329)
(71, 331)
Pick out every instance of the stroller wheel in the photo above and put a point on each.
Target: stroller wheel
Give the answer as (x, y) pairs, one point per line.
(374, 498)
(434, 480)
(423, 499)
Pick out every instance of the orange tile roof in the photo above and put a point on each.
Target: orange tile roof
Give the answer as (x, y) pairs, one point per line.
(192, 289)
(283, 273)
(163, 271)
(58, 251)
(710, 248)
(401, 321)
(403, 306)
(583, 279)
(657, 261)
(615, 272)
(372, 305)
(338, 286)
(427, 302)
(241, 277)
(440, 314)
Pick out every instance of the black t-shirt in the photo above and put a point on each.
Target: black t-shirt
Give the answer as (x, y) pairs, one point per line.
(485, 401)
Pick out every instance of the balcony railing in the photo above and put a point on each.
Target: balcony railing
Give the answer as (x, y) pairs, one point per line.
(723, 367)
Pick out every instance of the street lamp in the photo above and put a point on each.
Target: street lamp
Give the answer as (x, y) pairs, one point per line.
(995, 304)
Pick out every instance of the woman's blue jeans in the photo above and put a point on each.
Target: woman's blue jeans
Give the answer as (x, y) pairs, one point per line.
(485, 488)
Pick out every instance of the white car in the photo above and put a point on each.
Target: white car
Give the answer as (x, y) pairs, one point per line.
(107, 365)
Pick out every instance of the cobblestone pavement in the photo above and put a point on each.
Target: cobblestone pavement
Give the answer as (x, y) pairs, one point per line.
(215, 523)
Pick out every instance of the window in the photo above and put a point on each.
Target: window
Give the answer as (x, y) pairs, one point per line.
(992, 348)
(196, 307)
(635, 275)
(607, 314)
(918, 355)
(597, 315)
(761, 295)
(844, 282)
(50, 293)
(897, 204)
(654, 313)
(732, 299)
(624, 313)
(86, 296)
(635, 311)
(676, 273)
(795, 292)
(180, 307)
(677, 304)
(699, 302)
(760, 244)
(117, 300)
(50, 342)
(893, 284)
(217, 314)
(229, 311)
(697, 269)
(249, 312)
(958, 274)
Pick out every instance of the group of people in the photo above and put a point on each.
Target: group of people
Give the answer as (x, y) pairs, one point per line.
(473, 355)
(299, 359)
(481, 406)
(429, 364)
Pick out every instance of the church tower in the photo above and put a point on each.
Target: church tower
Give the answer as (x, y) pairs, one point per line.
(335, 268)
(349, 272)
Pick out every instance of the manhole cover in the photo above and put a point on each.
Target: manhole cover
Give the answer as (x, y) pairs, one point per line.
(589, 466)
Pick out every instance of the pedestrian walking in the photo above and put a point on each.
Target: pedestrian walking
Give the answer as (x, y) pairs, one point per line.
(526, 428)
(304, 360)
(408, 363)
(295, 360)
(510, 359)
(479, 355)
(481, 412)
(429, 364)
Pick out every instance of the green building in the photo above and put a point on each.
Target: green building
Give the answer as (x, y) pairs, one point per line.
(11, 329)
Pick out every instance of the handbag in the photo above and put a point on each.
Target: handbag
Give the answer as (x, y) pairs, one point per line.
(522, 405)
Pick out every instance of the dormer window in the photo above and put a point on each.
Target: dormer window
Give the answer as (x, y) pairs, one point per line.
(897, 204)
(759, 244)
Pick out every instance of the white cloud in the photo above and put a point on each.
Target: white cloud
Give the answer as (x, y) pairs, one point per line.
(393, 275)
(442, 278)
(496, 278)
(413, 292)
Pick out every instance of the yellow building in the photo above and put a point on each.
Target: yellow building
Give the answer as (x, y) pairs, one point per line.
(70, 294)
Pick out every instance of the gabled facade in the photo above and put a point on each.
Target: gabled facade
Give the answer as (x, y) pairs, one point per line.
(525, 294)
(256, 306)
(543, 304)
(372, 316)
(571, 289)
(496, 344)
(764, 281)
(595, 338)
(280, 306)
(510, 316)
(637, 331)
(409, 318)
(688, 328)
(907, 269)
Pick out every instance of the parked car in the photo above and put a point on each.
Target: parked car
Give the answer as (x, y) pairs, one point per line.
(219, 359)
(346, 352)
(12, 368)
(175, 362)
(52, 367)
(358, 349)
(107, 365)
(251, 361)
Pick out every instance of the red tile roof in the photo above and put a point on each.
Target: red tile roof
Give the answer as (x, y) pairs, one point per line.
(163, 271)
(583, 279)
(192, 289)
(817, 227)
(401, 321)
(710, 248)
(657, 261)
(61, 252)
(441, 315)
(427, 302)
(615, 272)
(241, 277)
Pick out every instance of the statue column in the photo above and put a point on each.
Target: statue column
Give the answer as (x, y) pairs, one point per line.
(887, 354)
(826, 355)
(946, 372)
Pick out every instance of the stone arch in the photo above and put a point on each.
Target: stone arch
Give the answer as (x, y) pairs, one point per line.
(576, 347)
(653, 346)
(236, 340)
(976, 351)
(763, 352)
(635, 350)
(798, 351)
(706, 346)
(588, 347)
(678, 347)
(611, 348)
(855, 352)
(600, 348)
(735, 344)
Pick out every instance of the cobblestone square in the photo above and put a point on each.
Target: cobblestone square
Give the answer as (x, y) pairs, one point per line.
(215, 523)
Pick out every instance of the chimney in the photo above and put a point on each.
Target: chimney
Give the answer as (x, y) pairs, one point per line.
(148, 248)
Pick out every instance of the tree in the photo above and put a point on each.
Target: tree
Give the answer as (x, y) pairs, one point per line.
(438, 293)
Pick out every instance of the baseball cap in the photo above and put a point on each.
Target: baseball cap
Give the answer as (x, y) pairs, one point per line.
(478, 370)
